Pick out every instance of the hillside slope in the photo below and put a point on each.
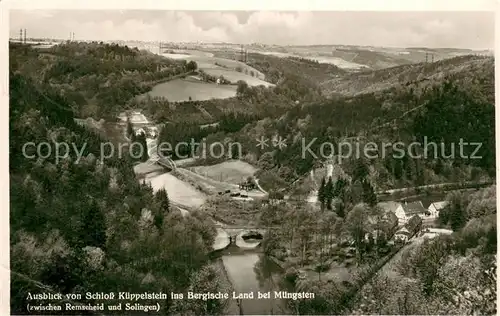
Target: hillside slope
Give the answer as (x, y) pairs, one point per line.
(116, 234)
(419, 75)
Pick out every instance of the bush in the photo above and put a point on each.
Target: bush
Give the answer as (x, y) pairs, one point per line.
(291, 275)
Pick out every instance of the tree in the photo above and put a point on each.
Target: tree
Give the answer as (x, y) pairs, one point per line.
(207, 280)
(242, 87)
(356, 192)
(93, 230)
(455, 213)
(338, 190)
(130, 129)
(360, 170)
(191, 66)
(369, 195)
(329, 193)
(266, 161)
(356, 226)
(162, 197)
(322, 194)
(141, 147)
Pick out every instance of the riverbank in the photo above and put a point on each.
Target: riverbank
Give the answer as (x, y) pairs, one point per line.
(233, 307)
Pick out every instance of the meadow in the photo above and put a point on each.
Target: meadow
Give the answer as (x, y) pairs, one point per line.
(179, 90)
(234, 171)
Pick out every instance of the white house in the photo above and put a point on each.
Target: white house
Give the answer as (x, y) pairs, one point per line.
(406, 210)
(435, 208)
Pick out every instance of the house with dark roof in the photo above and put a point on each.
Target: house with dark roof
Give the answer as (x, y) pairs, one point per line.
(408, 209)
(411, 228)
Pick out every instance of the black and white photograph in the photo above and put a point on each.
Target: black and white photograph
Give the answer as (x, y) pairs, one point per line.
(250, 162)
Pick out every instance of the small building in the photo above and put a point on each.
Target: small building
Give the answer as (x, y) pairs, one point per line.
(435, 208)
(247, 186)
(402, 235)
(407, 210)
(412, 227)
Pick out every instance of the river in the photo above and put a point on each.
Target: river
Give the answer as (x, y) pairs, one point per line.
(248, 270)
(251, 271)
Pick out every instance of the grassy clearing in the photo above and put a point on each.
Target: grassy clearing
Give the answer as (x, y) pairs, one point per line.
(234, 76)
(181, 90)
(229, 171)
(178, 191)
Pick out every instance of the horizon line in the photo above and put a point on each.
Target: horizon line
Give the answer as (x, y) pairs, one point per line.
(16, 39)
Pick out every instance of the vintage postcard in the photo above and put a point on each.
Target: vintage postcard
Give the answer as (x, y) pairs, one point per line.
(210, 159)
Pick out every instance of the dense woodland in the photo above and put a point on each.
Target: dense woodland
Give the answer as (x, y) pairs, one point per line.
(116, 234)
(97, 80)
(443, 113)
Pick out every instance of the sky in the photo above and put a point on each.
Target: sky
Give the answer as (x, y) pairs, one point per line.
(473, 30)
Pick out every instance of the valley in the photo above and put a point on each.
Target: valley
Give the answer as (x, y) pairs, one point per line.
(337, 229)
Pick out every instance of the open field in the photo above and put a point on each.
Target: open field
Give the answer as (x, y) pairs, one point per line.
(339, 62)
(209, 185)
(178, 191)
(228, 171)
(205, 60)
(234, 76)
(212, 186)
(181, 90)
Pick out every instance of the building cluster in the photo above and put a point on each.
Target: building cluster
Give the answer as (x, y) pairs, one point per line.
(402, 221)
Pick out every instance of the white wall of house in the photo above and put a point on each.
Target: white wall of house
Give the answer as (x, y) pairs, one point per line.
(400, 213)
(434, 212)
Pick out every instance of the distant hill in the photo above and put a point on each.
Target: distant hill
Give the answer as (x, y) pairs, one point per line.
(421, 74)
(444, 101)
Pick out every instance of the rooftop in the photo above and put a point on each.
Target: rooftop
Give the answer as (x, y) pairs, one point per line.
(440, 205)
(413, 208)
(389, 206)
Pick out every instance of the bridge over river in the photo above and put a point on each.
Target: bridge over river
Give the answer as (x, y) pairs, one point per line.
(228, 234)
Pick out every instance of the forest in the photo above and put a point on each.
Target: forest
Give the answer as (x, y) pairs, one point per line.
(117, 234)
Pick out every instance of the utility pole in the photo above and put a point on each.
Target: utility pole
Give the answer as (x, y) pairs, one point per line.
(426, 57)
(73, 38)
(20, 35)
(24, 36)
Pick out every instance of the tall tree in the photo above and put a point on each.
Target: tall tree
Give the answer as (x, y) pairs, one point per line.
(360, 170)
(369, 195)
(162, 198)
(329, 193)
(93, 230)
(321, 194)
(356, 226)
(130, 129)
